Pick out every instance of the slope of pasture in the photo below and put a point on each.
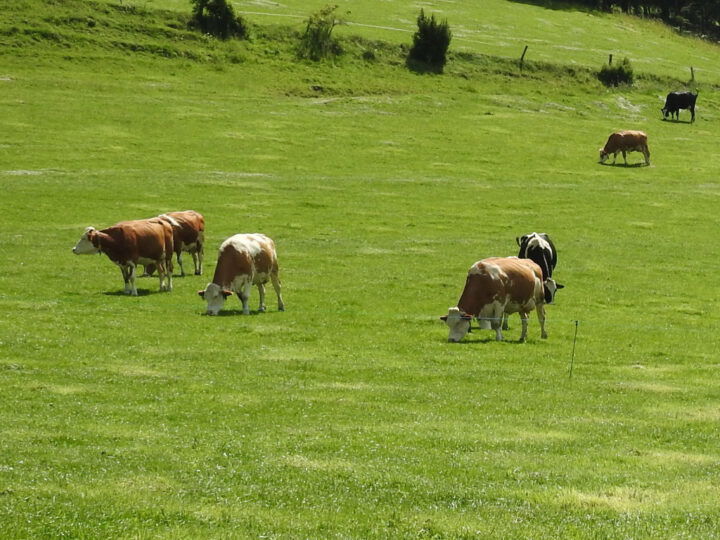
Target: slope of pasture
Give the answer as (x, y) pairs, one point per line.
(504, 27)
(349, 415)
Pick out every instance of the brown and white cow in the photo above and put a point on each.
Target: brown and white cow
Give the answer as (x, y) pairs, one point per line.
(130, 243)
(625, 141)
(188, 235)
(498, 286)
(244, 260)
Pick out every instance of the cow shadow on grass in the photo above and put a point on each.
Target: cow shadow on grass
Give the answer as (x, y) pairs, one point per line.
(624, 166)
(487, 340)
(677, 121)
(140, 292)
(236, 313)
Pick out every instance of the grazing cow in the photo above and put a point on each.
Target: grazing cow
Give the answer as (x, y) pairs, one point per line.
(188, 235)
(679, 100)
(497, 286)
(244, 260)
(625, 141)
(130, 243)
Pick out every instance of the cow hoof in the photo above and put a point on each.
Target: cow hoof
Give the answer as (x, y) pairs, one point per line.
(281, 308)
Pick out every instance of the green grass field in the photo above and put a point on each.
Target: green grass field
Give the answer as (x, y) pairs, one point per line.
(349, 415)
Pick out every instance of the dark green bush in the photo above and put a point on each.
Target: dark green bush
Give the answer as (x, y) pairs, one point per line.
(430, 44)
(217, 18)
(618, 74)
(317, 41)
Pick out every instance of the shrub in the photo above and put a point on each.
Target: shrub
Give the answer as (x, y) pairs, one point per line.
(430, 44)
(216, 17)
(317, 41)
(618, 74)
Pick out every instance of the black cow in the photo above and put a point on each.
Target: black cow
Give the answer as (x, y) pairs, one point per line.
(679, 100)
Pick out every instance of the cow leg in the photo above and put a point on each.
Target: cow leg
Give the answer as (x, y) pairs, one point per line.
(169, 272)
(197, 262)
(505, 322)
(524, 320)
(200, 253)
(496, 321)
(692, 112)
(540, 309)
(180, 264)
(162, 271)
(624, 153)
(614, 157)
(276, 285)
(244, 296)
(163, 274)
(126, 278)
(261, 292)
(130, 269)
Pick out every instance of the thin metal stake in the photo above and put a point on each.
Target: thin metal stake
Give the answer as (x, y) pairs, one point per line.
(572, 359)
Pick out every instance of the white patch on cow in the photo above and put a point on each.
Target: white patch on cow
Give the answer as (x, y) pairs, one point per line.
(535, 240)
(458, 325)
(490, 317)
(214, 297)
(84, 245)
(251, 243)
(171, 220)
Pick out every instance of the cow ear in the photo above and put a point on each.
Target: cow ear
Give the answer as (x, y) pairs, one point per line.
(226, 293)
(443, 318)
(201, 294)
(559, 285)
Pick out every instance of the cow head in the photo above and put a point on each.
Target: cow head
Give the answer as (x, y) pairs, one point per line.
(85, 245)
(458, 322)
(665, 112)
(550, 287)
(215, 297)
(603, 155)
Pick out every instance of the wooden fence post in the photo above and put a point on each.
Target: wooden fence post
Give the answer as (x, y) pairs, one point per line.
(522, 57)
(692, 74)
(610, 60)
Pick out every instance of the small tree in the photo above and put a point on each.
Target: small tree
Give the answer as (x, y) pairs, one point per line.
(621, 73)
(216, 17)
(430, 44)
(317, 41)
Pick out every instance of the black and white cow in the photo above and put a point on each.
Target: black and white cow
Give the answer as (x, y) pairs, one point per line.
(539, 248)
(679, 100)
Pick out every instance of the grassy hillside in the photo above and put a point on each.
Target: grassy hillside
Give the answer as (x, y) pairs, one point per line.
(349, 415)
(504, 27)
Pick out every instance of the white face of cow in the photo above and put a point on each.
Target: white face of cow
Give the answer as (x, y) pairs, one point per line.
(458, 322)
(551, 287)
(603, 155)
(215, 297)
(84, 245)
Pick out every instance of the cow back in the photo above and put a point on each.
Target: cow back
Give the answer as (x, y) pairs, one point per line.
(500, 279)
(251, 255)
(130, 241)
